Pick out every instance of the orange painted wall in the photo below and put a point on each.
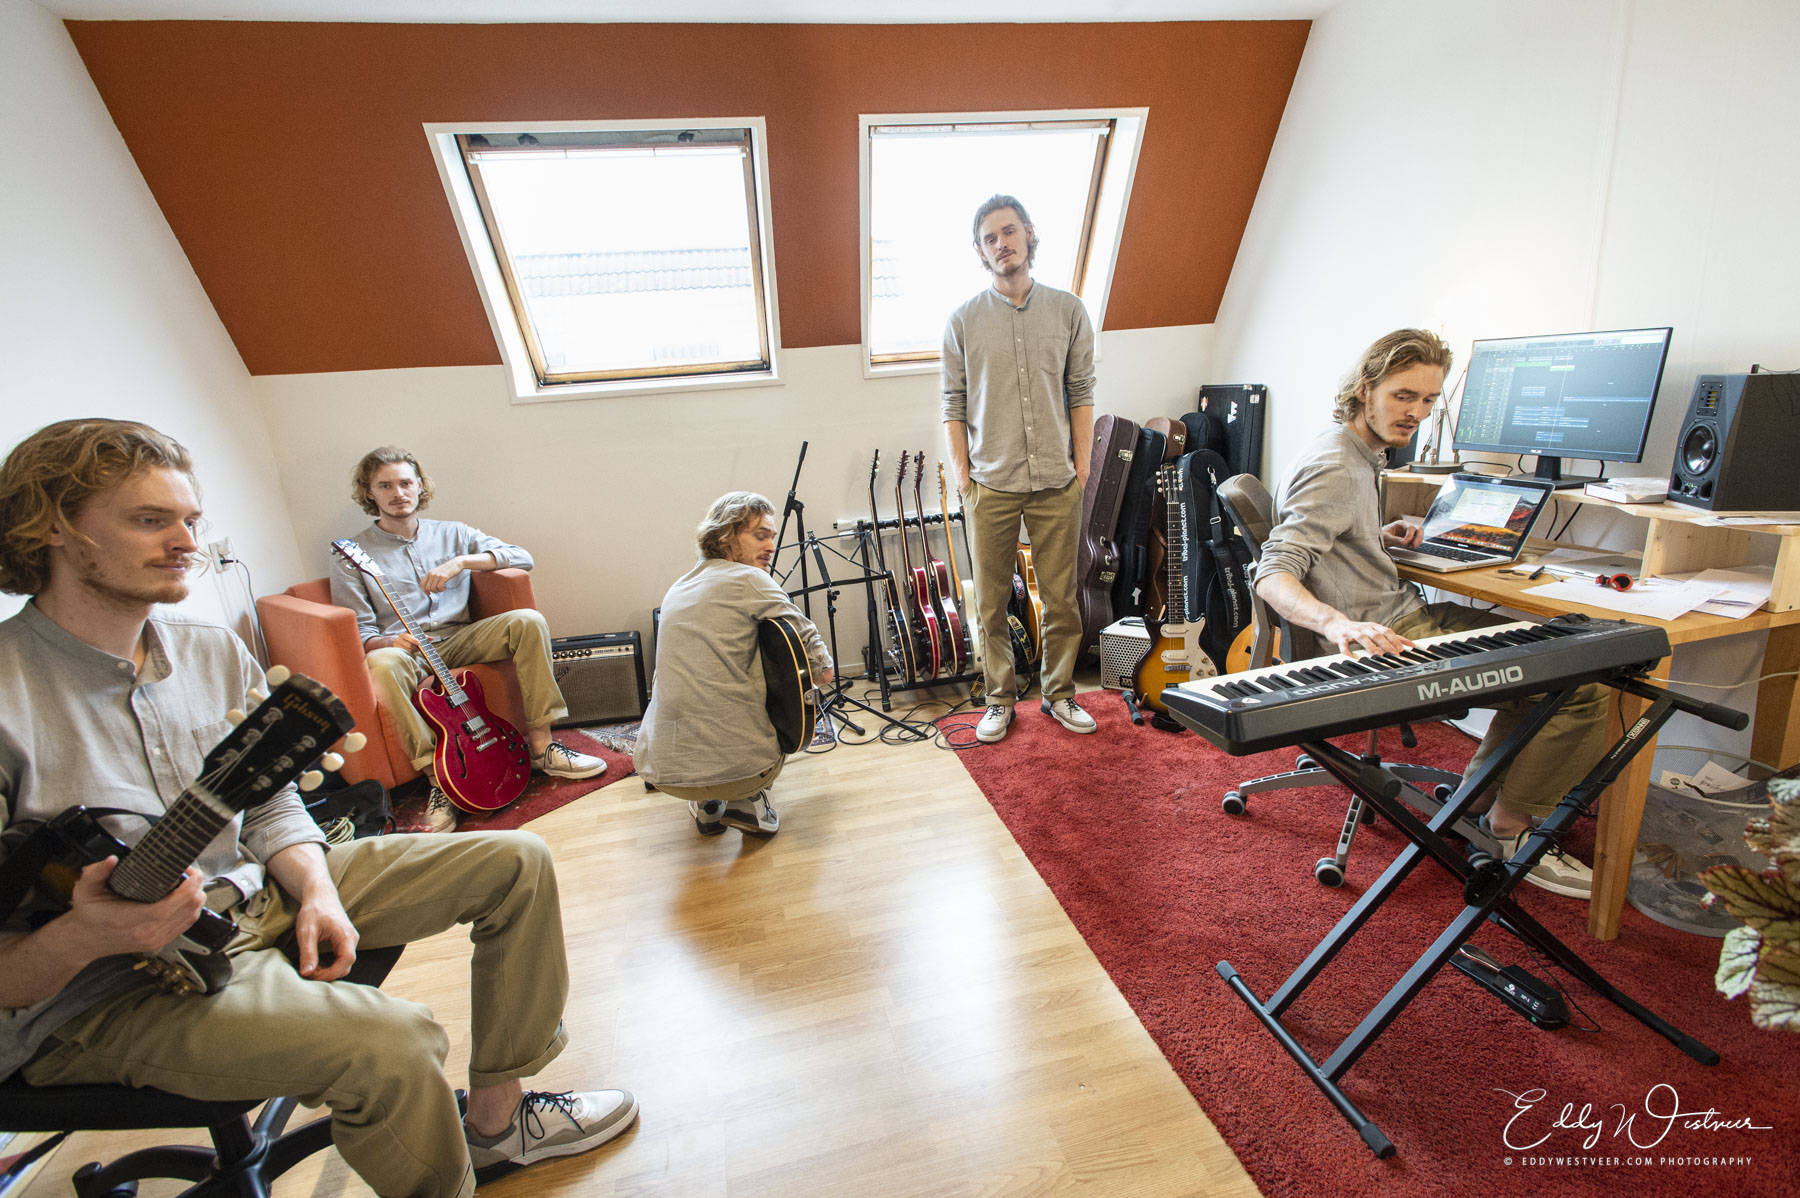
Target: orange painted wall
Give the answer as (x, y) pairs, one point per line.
(290, 161)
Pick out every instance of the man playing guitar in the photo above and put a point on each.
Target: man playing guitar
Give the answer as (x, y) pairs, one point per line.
(105, 701)
(426, 565)
(707, 737)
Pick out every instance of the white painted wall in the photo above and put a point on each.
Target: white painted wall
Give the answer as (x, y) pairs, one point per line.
(1504, 167)
(101, 315)
(606, 492)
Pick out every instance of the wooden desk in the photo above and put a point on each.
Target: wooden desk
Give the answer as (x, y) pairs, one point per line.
(1674, 543)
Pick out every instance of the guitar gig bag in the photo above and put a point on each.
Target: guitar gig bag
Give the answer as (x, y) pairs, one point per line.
(1136, 511)
(1217, 571)
(1097, 553)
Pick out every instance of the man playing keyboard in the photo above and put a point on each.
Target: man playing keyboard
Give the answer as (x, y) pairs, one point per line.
(1325, 567)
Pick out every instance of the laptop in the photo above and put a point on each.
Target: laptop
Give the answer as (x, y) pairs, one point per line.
(1477, 521)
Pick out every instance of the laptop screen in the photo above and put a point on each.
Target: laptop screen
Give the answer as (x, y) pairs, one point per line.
(1484, 515)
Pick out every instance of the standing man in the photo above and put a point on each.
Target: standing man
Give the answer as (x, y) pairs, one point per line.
(427, 564)
(1018, 395)
(1325, 567)
(106, 701)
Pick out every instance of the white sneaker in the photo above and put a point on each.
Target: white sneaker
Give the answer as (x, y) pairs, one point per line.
(550, 1125)
(994, 723)
(560, 761)
(752, 815)
(440, 812)
(706, 816)
(1555, 871)
(1069, 714)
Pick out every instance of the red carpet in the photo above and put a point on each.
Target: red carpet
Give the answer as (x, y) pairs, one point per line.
(1125, 828)
(542, 795)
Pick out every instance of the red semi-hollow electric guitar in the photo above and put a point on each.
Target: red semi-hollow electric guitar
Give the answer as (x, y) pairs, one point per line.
(482, 762)
(928, 645)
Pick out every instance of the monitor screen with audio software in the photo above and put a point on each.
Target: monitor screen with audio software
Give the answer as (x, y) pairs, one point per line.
(1568, 395)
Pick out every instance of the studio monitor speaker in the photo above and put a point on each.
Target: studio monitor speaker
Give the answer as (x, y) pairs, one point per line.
(1738, 445)
(601, 677)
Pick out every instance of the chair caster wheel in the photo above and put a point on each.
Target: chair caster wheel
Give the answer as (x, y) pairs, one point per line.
(84, 1177)
(1305, 762)
(1328, 872)
(1232, 803)
(1442, 792)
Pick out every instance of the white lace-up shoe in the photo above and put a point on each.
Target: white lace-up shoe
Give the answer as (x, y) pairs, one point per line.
(1069, 714)
(994, 723)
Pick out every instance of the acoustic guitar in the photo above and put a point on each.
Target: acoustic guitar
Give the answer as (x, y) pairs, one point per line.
(1174, 654)
(1033, 606)
(289, 732)
(788, 678)
(928, 647)
(951, 632)
(899, 634)
(482, 762)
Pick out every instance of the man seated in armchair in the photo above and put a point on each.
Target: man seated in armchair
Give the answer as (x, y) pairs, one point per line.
(426, 564)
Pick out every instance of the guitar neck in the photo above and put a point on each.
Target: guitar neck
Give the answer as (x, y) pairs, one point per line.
(172, 844)
(446, 680)
(1175, 605)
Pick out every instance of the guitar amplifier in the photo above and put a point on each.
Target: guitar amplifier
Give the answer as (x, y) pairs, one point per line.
(601, 677)
(1123, 644)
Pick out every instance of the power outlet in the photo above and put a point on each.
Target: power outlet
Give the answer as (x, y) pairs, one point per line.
(219, 553)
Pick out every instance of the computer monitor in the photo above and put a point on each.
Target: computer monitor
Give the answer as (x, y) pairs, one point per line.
(1571, 395)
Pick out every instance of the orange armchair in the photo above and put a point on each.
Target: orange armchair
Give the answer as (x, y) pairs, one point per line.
(309, 634)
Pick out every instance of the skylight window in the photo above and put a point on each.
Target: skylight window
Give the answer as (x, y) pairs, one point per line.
(618, 258)
(923, 179)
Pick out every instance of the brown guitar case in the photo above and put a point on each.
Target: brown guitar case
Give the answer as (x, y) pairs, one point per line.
(1097, 554)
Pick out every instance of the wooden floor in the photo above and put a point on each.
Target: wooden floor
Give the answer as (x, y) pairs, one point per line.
(884, 999)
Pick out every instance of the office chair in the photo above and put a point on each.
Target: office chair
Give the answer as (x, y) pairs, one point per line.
(246, 1155)
(1247, 504)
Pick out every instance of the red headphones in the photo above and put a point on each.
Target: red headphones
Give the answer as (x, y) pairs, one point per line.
(1618, 582)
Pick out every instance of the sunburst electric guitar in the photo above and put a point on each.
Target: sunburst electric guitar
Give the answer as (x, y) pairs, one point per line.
(482, 762)
(289, 732)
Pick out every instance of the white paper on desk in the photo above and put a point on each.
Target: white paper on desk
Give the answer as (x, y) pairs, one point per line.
(1747, 588)
(1653, 598)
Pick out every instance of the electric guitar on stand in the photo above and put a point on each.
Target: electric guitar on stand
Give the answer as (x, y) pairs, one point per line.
(899, 634)
(928, 648)
(1174, 655)
(482, 762)
(278, 743)
(943, 594)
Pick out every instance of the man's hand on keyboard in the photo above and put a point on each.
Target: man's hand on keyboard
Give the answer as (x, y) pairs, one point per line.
(1401, 535)
(1349, 635)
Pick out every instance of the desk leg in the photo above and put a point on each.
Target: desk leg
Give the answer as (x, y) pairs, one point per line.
(1775, 735)
(1621, 812)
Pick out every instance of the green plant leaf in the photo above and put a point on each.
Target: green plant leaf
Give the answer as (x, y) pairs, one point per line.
(1766, 901)
(1737, 961)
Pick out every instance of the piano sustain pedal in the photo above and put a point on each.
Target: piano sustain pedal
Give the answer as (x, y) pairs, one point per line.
(1515, 986)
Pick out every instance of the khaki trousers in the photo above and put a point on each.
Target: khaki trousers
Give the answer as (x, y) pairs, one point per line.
(376, 1060)
(523, 635)
(1052, 523)
(731, 792)
(1562, 752)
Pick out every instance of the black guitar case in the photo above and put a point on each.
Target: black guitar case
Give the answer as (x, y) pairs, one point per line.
(1097, 553)
(1239, 408)
(1217, 571)
(1136, 511)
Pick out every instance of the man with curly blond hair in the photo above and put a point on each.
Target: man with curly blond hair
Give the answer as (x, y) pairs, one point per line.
(106, 700)
(427, 564)
(707, 737)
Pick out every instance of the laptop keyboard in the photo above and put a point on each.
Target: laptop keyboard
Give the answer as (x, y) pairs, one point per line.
(1455, 555)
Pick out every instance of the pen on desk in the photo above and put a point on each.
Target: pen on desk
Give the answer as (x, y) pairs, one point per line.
(1536, 574)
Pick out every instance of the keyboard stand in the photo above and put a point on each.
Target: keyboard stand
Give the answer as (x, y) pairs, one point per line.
(1487, 889)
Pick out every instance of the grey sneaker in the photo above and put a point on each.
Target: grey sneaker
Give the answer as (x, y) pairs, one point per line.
(560, 761)
(1555, 871)
(753, 815)
(547, 1125)
(440, 812)
(994, 722)
(706, 816)
(1069, 714)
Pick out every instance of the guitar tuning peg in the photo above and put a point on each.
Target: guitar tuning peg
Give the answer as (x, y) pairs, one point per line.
(310, 780)
(258, 696)
(278, 675)
(332, 761)
(355, 741)
(235, 715)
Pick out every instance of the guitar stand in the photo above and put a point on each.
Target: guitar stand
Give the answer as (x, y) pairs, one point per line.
(1487, 887)
(876, 663)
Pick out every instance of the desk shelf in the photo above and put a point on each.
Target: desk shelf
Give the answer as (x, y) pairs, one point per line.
(1675, 542)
